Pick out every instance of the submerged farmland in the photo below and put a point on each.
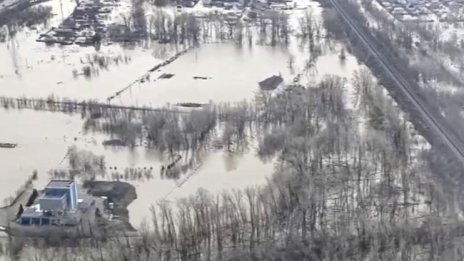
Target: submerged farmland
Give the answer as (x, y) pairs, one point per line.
(233, 126)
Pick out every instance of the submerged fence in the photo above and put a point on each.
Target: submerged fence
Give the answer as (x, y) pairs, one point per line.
(73, 106)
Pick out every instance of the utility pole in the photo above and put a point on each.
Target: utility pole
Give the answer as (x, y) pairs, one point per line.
(61, 9)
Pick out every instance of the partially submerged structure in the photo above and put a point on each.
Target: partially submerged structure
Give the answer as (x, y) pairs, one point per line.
(64, 209)
(271, 83)
(59, 204)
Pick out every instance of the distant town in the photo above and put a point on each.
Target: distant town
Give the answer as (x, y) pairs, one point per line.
(425, 10)
(264, 130)
(93, 21)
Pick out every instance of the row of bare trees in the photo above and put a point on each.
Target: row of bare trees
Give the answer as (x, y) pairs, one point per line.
(268, 26)
(349, 183)
(346, 185)
(436, 85)
(14, 19)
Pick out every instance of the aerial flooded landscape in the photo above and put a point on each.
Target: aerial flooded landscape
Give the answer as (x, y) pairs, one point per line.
(231, 130)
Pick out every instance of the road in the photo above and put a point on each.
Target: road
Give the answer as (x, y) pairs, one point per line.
(429, 119)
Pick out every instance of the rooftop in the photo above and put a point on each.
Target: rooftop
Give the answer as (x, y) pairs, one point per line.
(54, 194)
(271, 83)
(33, 211)
(60, 183)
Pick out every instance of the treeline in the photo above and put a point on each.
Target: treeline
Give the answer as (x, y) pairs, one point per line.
(401, 63)
(86, 166)
(427, 59)
(174, 132)
(82, 164)
(14, 19)
(179, 29)
(342, 189)
(337, 194)
(431, 88)
(134, 26)
(349, 184)
(424, 42)
(89, 108)
(268, 27)
(161, 26)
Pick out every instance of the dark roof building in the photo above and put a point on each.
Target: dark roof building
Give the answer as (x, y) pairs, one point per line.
(58, 202)
(271, 83)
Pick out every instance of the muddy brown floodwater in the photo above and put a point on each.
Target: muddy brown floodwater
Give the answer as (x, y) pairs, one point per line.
(228, 74)
(225, 73)
(44, 137)
(33, 69)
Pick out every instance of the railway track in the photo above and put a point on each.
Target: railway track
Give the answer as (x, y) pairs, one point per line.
(447, 138)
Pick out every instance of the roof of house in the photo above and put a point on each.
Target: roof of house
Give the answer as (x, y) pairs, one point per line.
(33, 211)
(271, 83)
(59, 184)
(54, 194)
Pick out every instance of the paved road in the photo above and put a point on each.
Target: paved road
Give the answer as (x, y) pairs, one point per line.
(429, 119)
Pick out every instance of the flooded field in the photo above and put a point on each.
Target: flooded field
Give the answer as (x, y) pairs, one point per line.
(33, 69)
(38, 70)
(247, 128)
(224, 72)
(252, 64)
(43, 139)
(215, 62)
